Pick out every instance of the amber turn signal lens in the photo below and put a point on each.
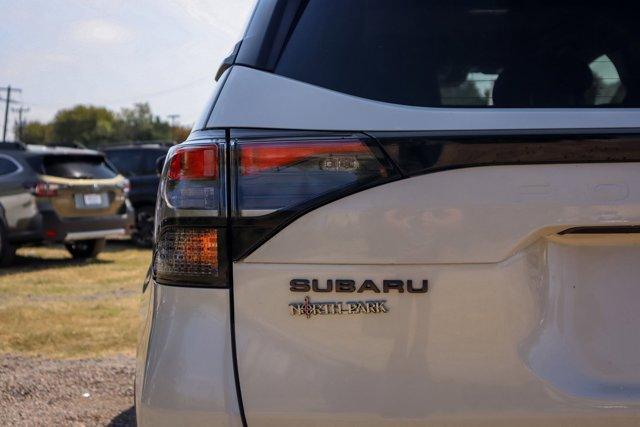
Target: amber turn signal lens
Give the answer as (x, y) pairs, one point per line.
(187, 253)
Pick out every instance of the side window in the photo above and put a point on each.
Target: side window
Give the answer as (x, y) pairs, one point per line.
(7, 166)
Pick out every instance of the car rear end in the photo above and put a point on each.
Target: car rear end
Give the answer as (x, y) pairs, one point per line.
(404, 213)
(79, 195)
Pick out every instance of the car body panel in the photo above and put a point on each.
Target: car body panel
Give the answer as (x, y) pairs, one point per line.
(20, 213)
(176, 384)
(520, 323)
(469, 215)
(66, 205)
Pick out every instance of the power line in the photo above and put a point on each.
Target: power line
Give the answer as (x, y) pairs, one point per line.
(8, 101)
(135, 98)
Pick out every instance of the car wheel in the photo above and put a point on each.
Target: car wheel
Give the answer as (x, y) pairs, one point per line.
(7, 250)
(143, 236)
(84, 249)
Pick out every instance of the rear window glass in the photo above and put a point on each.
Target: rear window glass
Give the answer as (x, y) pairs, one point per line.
(79, 167)
(478, 53)
(136, 162)
(126, 161)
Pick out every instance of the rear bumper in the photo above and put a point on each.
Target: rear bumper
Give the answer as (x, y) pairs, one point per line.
(184, 368)
(58, 229)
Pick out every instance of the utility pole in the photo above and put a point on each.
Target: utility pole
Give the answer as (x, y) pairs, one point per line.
(20, 110)
(8, 100)
(173, 118)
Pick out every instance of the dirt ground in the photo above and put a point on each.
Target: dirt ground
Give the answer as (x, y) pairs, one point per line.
(88, 392)
(67, 337)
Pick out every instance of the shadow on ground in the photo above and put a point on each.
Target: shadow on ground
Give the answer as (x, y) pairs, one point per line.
(124, 419)
(31, 263)
(34, 262)
(117, 245)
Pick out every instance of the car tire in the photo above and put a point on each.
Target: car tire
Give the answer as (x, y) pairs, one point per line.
(7, 250)
(85, 249)
(143, 235)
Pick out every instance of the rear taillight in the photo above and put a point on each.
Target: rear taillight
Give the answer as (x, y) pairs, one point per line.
(192, 178)
(279, 179)
(274, 175)
(188, 253)
(45, 189)
(191, 217)
(222, 199)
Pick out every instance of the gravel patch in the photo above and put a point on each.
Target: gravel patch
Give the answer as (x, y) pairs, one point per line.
(89, 392)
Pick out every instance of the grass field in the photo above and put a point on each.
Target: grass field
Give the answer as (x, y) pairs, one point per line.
(53, 306)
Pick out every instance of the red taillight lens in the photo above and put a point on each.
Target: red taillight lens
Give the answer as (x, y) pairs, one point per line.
(194, 163)
(266, 156)
(279, 174)
(45, 189)
(192, 180)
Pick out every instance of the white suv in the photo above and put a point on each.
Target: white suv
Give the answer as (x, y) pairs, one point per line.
(405, 212)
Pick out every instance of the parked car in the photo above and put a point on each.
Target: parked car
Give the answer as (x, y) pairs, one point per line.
(405, 213)
(64, 195)
(139, 164)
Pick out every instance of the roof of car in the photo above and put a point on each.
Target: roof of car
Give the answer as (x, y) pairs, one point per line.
(43, 149)
(12, 146)
(138, 145)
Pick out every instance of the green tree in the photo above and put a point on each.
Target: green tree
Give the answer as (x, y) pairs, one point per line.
(180, 133)
(86, 125)
(37, 133)
(139, 124)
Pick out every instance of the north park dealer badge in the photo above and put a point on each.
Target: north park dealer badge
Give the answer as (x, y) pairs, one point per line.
(307, 308)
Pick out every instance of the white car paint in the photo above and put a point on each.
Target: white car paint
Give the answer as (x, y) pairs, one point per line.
(520, 325)
(471, 215)
(185, 366)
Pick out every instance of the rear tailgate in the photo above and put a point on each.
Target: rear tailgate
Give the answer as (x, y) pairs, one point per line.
(84, 185)
(530, 273)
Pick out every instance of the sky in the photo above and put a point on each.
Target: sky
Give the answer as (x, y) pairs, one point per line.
(115, 53)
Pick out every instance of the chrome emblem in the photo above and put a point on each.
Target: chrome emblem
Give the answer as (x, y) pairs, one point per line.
(308, 308)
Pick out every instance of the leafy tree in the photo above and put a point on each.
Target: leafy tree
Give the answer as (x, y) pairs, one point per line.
(95, 126)
(180, 133)
(86, 125)
(36, 133)
(139, 124)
